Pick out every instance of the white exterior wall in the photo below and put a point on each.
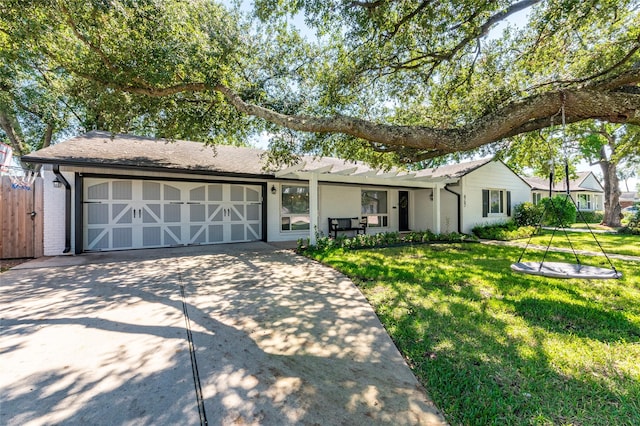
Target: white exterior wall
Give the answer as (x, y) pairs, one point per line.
(590, 182)
(493, 175)
(335, 200)
(448, 211)
(54, 213)
(422, 211)
(420, 216)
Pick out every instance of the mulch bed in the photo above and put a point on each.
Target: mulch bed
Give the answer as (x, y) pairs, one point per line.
(6, 264)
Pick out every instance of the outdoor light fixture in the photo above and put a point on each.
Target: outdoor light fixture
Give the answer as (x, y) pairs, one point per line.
(431, 196)
(57, 183)
(273, 189)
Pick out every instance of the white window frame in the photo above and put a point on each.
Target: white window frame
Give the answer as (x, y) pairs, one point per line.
(376, 219)
(502, 194)
(293, 215)
(587, 199)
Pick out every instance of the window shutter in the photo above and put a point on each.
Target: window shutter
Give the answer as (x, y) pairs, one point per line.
(485, 202)
(508, 203)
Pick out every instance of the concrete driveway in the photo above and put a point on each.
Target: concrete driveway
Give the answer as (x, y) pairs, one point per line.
(235, 334)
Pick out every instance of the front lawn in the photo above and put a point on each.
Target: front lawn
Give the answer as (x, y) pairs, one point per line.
(611, 243)
(495, 347)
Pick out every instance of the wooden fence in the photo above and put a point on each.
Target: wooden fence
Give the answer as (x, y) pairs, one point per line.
(21, 220)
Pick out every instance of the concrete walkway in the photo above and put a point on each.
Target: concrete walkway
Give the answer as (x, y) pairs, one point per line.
(242, 334)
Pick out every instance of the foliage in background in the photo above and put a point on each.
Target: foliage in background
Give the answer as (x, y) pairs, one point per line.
(384, 81)
(615, 148)
(560, 211)
(632, 226)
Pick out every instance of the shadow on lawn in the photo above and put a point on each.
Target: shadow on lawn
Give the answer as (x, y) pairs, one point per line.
(105, 343)
(577, 319)
(478, 335)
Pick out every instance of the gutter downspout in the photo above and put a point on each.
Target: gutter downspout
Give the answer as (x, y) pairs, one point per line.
(446, 188)
(67, 208)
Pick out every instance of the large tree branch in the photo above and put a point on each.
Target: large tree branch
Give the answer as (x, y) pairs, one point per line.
(527, 115)
(607, 100)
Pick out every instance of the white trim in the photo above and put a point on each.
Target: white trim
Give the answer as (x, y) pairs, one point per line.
(436, 210)
(313, 207)
(290, 170)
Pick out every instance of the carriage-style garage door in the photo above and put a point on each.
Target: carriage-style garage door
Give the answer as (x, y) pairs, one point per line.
(124, 214)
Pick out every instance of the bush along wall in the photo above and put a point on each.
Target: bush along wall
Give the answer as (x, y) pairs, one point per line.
(503, 231)
(590, 217)
(527, 214)
(385, 239)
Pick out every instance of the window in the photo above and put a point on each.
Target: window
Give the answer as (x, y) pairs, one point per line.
(496, 202)
(584, 201)
(294, 213)
(374, 207)
(537, 197)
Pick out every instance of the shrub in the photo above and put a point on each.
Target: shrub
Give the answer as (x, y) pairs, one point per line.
(560, 211)
(590, 217)
(384, 239)
(633, 225)
(527, 214)
(503, 231)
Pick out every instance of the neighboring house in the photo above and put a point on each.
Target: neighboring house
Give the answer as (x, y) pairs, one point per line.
(586, 190)
(628, 199)
(119, 192)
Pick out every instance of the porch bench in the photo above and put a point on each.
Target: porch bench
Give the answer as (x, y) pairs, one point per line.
(337, 224)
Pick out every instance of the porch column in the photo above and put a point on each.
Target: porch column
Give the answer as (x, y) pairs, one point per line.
(313, 207)
(436, 210)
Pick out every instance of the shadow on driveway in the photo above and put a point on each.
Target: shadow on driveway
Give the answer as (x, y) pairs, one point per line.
(278, 339)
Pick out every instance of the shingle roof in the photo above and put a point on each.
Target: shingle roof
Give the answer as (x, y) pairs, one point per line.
(103, 149)
(538, 183)
(629, 196)
(106, 150)
(454, 170)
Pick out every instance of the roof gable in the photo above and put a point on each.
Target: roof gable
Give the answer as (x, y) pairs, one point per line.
(588, 179)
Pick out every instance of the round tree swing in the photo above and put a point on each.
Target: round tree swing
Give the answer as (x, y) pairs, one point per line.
(563, 269)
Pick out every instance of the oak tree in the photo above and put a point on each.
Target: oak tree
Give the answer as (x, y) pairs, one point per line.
(380, 80)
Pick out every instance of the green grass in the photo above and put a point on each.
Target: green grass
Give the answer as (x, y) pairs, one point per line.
(495, 347)
(597, 226)
(611, 243)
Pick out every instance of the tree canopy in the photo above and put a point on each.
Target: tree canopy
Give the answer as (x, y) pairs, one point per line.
(384, 81)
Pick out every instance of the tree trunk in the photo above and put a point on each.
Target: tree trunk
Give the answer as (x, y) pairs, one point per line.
(9, 124)
(612, 209)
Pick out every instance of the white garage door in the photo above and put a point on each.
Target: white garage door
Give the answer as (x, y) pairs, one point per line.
(124, 214)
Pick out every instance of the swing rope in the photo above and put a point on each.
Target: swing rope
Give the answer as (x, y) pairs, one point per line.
(555, 212)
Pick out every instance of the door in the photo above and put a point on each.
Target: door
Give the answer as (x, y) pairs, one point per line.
(403, 210)
(125, 214)
(220, 213)
(21, 224)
